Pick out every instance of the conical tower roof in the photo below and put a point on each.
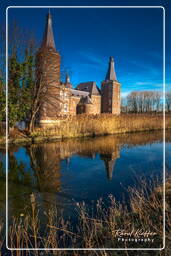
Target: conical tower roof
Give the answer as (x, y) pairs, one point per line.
(48, 38)
(67, 79)
(111, 75)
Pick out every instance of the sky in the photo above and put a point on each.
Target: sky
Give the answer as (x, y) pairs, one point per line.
(87, 37)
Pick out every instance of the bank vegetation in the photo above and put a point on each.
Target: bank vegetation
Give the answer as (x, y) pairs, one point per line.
(96, 228)
(86, 125)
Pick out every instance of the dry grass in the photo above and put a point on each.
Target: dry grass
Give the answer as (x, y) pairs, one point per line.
(95, 228)
(86, 125)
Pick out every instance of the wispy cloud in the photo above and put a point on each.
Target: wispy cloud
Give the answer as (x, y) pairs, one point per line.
(143, 83)
(92, 58)
(150, 70)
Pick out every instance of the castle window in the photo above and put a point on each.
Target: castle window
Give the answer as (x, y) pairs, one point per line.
(65, 95)
(61, 94)
(65, 107)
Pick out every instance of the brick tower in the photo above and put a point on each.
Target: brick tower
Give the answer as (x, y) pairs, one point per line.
(48, 76)
(110, 91)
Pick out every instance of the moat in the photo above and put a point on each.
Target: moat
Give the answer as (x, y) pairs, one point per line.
(64, 173)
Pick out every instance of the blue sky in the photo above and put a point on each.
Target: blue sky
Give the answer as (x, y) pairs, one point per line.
(86, 38)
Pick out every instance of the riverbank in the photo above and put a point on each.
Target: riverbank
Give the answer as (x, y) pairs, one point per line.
(97, 229)
(90, 126)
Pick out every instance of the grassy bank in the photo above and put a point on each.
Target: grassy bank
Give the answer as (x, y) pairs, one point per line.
(95, 229)
(86, 125)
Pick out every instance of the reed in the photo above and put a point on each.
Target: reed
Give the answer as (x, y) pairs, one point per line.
(97, 227)
(92, 125)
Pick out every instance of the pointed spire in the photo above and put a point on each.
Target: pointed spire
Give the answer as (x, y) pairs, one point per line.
(111, 75)
(67, 79)
(48, 38)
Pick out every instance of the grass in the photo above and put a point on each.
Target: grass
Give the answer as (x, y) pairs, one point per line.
(87, 125)
(96, 227)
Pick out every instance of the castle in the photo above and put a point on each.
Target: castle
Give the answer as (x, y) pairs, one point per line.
(60, 99)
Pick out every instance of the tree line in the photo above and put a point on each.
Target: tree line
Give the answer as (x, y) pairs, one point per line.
(146, 102)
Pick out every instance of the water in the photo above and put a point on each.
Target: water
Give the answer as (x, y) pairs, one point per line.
(77, 170)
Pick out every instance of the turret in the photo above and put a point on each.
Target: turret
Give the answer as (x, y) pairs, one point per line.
(111, 75)
(110, 91)
(48, 38)
(48, 75)
(67, 81)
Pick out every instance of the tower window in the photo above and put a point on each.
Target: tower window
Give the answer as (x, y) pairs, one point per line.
(61, 94)
(65, 107)
(65, 95)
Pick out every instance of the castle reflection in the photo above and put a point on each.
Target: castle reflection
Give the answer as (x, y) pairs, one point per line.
(45, 171)
(46, 158)
(45, 161)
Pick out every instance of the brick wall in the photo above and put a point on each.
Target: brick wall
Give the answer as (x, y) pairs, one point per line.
(96, 100)
(73, 105)
(85, 109)
(48, 66)
(48, 76)
(110, 97)
(116, 99)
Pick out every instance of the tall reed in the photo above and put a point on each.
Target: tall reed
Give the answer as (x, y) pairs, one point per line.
(91, 125)
(96, 228)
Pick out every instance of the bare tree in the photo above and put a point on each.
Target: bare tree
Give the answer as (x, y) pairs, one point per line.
(143, 101)
(168, 101)
(45, 96)
(132, 102)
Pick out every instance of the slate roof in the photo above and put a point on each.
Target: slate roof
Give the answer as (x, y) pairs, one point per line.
(48, 38)
(86, 100)
(111, 75)
(90, 87)
(78, 93)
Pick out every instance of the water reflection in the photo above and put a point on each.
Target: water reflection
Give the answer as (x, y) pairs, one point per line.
(45, 161)
(46, 157)
(77, 168)
(109, 160)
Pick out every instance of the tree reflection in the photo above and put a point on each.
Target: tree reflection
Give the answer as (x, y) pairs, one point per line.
(44, 174)
(45, 161)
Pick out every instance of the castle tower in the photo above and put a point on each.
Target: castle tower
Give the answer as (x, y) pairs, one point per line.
(48, 75)
(110, 91)
(67, 81)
